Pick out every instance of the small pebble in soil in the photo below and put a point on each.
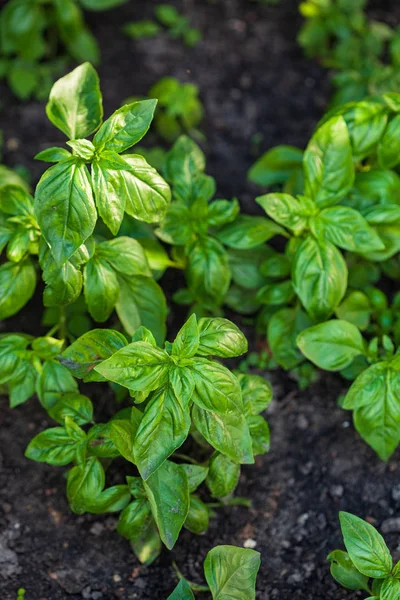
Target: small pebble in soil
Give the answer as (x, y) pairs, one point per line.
(117, 578)
(249, 543)
(336, 491)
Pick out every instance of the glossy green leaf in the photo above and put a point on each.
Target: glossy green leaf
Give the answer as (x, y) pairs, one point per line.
(207, 273)
(256, 393)
(198, 517)
(374, 397)
(163, 429)
(290, 212)
(248, 232)
(135, 519)
(346, 228)
(389, 145)
(53, 382)
(125, 127)
(75, 406)
(138, 366)
(17, 284)
(141, 301)
(187, 341)
(220, 337)
(101, 289)
(319, 277)
(328, 163)
(64, 207)
(91, 349)
(332, 345)
(223, 475)
(366, 547)
(231, 572)
(84, 485)
(183, 591)
(276, 165)
(345, 573)
(168, 493)
(75, 103)
(54, 446)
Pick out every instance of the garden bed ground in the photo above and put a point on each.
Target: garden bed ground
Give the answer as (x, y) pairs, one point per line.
(253, 79)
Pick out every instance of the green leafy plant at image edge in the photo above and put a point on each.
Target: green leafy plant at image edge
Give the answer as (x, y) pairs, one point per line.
(31, 32)
(367, 565)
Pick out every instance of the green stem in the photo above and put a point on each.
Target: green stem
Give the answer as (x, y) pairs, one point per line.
(53, 330)
(186, 458)
(238, 501)
(195, 586)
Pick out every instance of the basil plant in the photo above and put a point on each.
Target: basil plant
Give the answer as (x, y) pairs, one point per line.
(367, 565)
(178, 391)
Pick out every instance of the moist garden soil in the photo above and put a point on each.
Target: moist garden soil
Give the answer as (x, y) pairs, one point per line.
(253, 80)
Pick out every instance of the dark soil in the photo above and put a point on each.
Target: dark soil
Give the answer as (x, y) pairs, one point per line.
(253, 79)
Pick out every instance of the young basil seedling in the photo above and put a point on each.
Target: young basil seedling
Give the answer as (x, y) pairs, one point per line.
(367, 565)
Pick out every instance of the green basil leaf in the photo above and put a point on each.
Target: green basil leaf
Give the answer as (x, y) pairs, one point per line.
(125, 255)
(256, 393)
(122, 434)
(283, 328)
(109, 189)
(247, 232)
(53, 154)
(207, 271)
(220, 337)
(290, 212)
(17, 284)
(101, 289)
(216, 388)
(65, 208)
(53, 446)
(187, 341)
(374, 398)
(113, 499)
(328, 163)
(332, 345)
(355, 308)
(75, 103)
(366, 547)
(144, 335)
(168, 493)
(163, 429)
(15, 201)
(183, 591)
(345, 573)
(223, 475)
(139, 366)
(53, 382)
(195, 474)
(276, 294)
(390, 589)
(147, 545)
(221, 212)
(245, 266)
(386, 222)
(232, 572)
(23, 387)
(226, 432)
(176, 228)
(125, 127)
(198, 517)
(75, 406)
(276, 165)
(319, 277)
(141, 301)
(84, 485)
(135, 519)
(346, 228)
(366, 122)
(259, 432)
(389, 146)
(91, 349)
